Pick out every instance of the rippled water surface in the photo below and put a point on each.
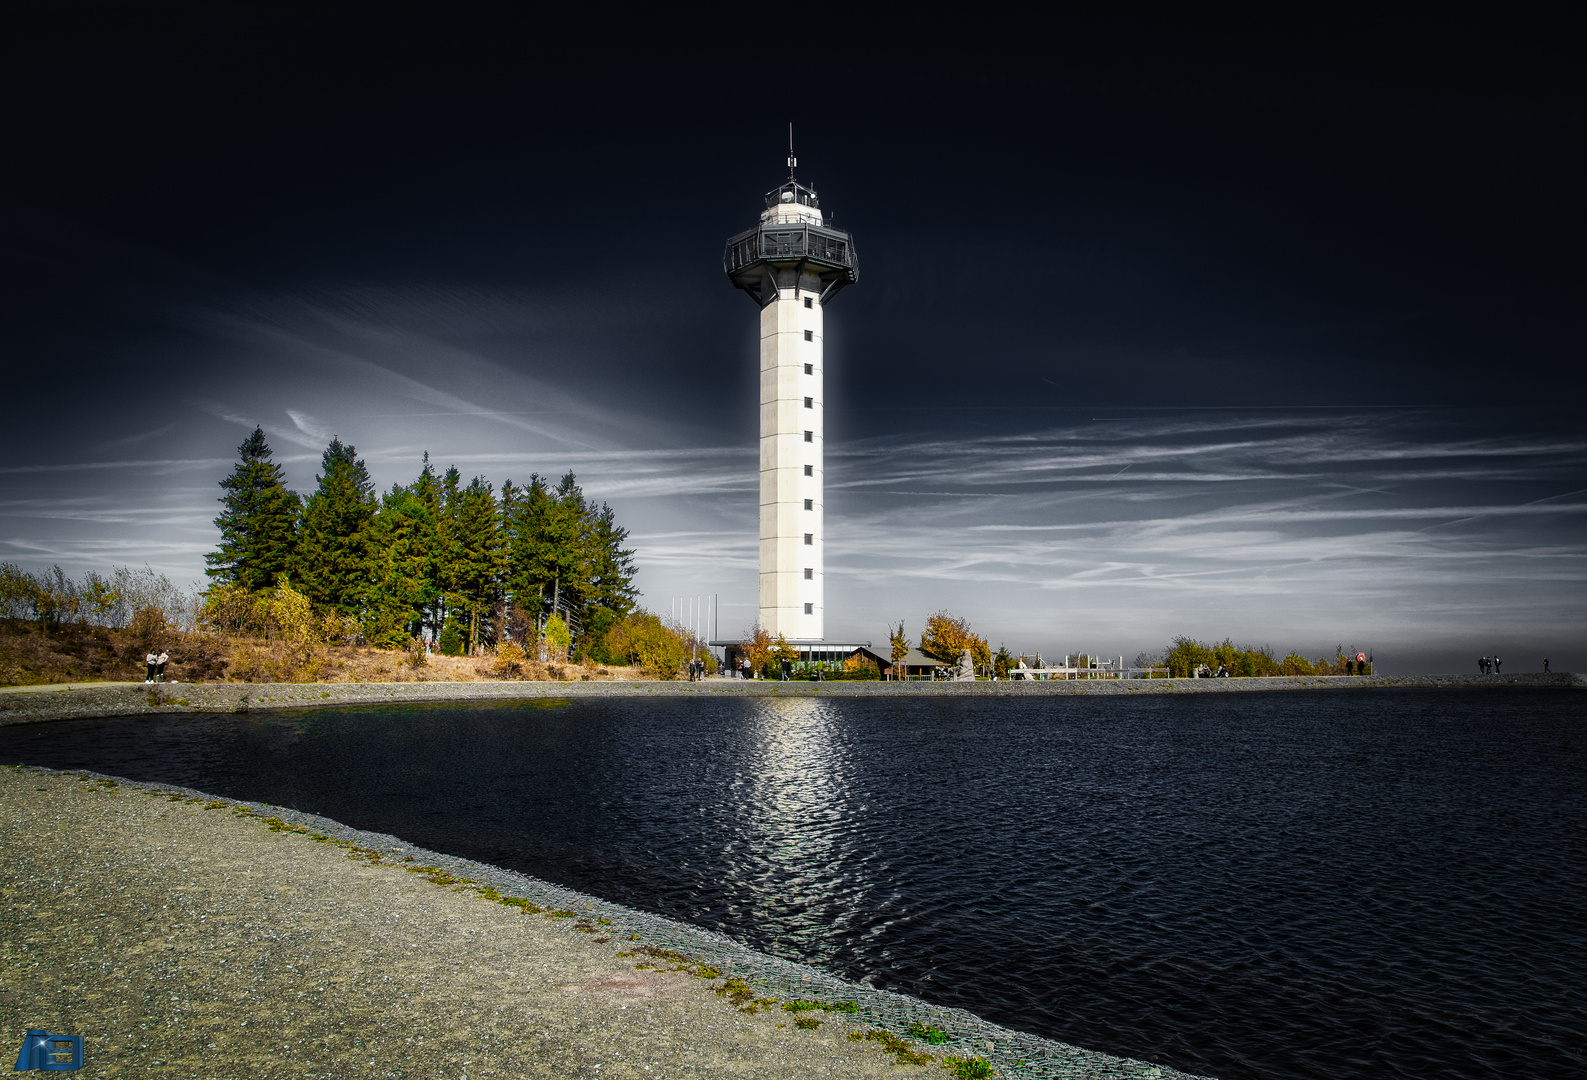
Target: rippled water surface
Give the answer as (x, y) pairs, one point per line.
(1373, 884)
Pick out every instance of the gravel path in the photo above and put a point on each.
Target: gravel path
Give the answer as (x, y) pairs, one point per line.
(185, 939)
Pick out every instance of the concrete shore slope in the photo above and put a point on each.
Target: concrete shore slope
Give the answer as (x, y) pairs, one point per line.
(24, 704)
(185, 935)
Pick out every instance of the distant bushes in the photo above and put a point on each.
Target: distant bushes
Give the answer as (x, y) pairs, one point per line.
(51, 599)
(1185, 655)
(642, 638)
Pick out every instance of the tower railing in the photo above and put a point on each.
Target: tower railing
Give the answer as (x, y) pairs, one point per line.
(778, 241)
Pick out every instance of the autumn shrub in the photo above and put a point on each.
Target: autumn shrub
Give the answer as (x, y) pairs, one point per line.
(947, 636)
(557, 636)
(641, 638)
(509, 661)
(760, 648)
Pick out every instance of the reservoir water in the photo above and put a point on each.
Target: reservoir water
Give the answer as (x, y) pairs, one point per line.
(1365, 884)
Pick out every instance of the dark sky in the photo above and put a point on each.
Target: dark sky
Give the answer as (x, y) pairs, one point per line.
(1267, 327)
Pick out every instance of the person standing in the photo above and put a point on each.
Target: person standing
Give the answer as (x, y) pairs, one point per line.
(1545, 665)
(787, 669)
(1497, 668)
(159, 665)
(148, 667)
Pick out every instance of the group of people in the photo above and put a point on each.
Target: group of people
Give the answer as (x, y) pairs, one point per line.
(744, 670)
(154, 667)
(1489, 665)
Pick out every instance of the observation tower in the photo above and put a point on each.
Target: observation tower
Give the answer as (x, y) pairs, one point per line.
(791, 264)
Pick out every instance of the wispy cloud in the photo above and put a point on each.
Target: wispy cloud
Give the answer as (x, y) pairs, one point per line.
(160, 465)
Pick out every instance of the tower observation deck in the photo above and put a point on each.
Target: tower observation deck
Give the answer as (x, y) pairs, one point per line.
(791, 265)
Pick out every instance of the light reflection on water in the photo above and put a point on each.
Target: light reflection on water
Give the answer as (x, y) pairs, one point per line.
(1365, 885)
(787, 845)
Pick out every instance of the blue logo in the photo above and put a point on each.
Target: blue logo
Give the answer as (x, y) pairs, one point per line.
(50, 1053)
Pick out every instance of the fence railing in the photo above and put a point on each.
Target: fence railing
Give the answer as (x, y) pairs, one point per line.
(811, 242)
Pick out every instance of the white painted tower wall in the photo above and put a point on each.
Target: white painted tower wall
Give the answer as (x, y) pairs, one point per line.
(792, 438)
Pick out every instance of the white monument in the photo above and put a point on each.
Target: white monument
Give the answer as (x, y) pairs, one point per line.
(792, 264)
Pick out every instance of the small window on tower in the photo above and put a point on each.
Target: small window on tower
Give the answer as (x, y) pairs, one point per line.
(810, 402)
(810, 436)
(810, 470)
(810, 504)
(810, 538)
(810, 335)
(810, 609)
(810, 369)
(810, 574)
(807, 301)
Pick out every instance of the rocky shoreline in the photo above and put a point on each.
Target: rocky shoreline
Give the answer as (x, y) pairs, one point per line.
(26, 704)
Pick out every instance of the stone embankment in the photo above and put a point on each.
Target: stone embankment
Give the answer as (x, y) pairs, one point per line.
(29, 703)
(186, 937)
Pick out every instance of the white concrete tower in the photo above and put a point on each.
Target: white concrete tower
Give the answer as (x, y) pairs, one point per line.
(792, 264)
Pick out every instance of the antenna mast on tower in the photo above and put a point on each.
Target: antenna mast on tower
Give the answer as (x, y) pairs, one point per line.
(792, 161)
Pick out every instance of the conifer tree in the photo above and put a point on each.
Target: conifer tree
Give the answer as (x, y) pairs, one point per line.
(336, 565)
(258, 527)
(407, 547)
(560, 545)
(608, 566)
(435, 554)
(542, 530)
(474, 554)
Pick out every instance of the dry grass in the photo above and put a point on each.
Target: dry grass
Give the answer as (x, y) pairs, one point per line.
(30, 657)
(339, 663)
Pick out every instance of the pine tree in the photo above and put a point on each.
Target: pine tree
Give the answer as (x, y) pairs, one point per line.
(407, 550)
(542, 549)
(559, 545)
(336, 565)
(608, 566)
(258, 527)
(474, 554)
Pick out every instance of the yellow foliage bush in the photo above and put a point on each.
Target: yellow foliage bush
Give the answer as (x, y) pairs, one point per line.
(642, 638)
(509, 660)
(947, 636)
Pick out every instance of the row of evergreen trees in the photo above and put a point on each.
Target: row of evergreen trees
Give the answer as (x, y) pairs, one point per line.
(437, 557)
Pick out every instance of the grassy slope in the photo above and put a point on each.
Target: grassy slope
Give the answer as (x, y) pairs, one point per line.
(29, 657)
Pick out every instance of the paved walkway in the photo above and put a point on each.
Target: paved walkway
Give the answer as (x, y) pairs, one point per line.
(182, 939)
